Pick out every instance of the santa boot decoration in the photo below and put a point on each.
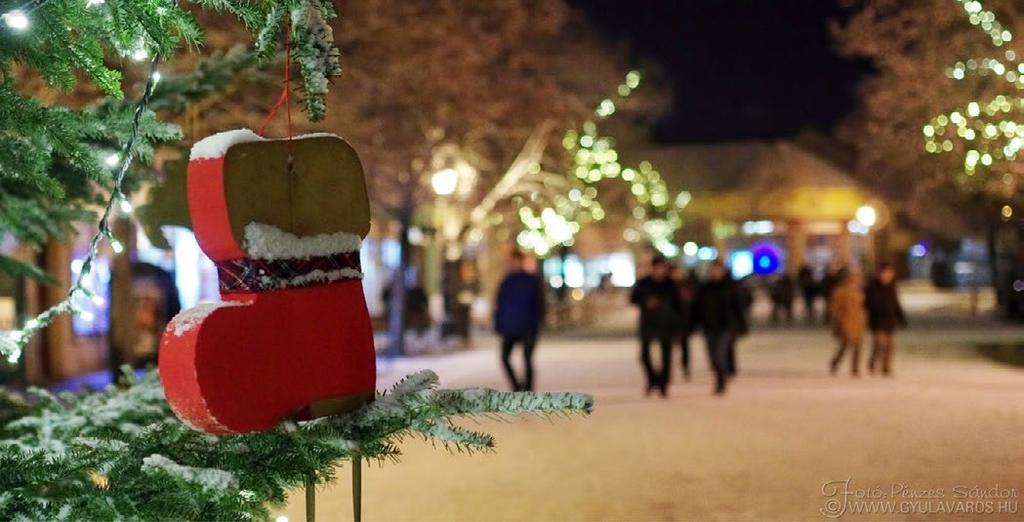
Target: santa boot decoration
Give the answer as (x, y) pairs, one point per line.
(283, 221)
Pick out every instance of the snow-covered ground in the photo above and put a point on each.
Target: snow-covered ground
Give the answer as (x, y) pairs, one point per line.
(949, 419)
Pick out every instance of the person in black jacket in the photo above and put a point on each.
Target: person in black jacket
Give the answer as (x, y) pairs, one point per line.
(809, 290)
(828, 282)
(686, 286)
(517, 318)
(782, 294)
(718, 311)
(884, 315)
(658, 300)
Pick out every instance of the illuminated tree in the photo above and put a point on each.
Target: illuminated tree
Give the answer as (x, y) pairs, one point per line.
(467, 77)
(985, 134)
(947, 70)
(654, 215)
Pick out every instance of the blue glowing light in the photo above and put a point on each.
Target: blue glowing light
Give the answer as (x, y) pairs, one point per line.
(767, 258)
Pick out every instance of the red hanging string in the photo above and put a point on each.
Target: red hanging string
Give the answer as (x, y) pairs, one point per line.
(285, 98)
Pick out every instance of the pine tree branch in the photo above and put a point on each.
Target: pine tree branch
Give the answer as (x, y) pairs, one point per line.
(120, 453)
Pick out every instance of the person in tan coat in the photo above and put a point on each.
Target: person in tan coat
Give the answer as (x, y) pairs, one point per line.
(846, 306)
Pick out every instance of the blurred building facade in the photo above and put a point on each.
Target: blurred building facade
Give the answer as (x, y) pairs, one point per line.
(772, 207)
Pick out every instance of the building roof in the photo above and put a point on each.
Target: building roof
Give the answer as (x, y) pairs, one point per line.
(755, 180)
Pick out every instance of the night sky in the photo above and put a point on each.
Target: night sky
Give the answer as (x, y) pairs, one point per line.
(741, 69)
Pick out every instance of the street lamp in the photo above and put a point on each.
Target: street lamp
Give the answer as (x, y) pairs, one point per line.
(867, 216)
(690, 248)
(444, 181)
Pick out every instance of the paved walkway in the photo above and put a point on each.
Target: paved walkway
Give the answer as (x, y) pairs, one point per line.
(950, 418)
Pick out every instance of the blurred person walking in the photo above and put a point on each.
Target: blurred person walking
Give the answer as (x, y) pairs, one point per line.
(746, 287)
(829, 281)
(718, 311)
(846, 306)
(884, 315)
(782, 293)
(686, 286)
(658, 300)
(809, 291)
(517, 317)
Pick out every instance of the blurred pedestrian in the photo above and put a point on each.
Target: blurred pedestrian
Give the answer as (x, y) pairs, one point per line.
(828, 283)
(658, 301)
(686, 286)
(809, 291)
(517, 317)
(884, 315)
(415, 304)
(782, 293)
(462, 285)
(847, 310)
(745, 287)
(718, 311)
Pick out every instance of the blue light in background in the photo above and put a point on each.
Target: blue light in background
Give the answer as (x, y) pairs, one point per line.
(767, 258)
(919, 250)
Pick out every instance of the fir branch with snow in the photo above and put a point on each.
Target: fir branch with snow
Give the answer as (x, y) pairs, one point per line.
(314, 53)
(121, 453)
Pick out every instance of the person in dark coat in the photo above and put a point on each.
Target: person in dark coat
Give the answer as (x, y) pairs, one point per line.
(686, 286)
(517, 318)
(658, 300)
(828, 283)
(809, 290)
(718, 311)
(884, 315)
(782, 299)
(417, 307)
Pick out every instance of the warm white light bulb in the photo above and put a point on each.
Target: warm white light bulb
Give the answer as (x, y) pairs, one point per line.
(16, 20)
(690, 248)
(444, 181)
(113, 159)
(116, 246)
(866, 215)
(93, 3)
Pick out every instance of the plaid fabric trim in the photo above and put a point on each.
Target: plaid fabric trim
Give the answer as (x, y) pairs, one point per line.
(263, 275)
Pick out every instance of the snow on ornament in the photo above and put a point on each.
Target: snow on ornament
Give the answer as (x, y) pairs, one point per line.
(283, 221)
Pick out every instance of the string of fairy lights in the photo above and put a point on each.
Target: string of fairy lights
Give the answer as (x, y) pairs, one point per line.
(655, 214)
(988, 133)
(12, 343)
